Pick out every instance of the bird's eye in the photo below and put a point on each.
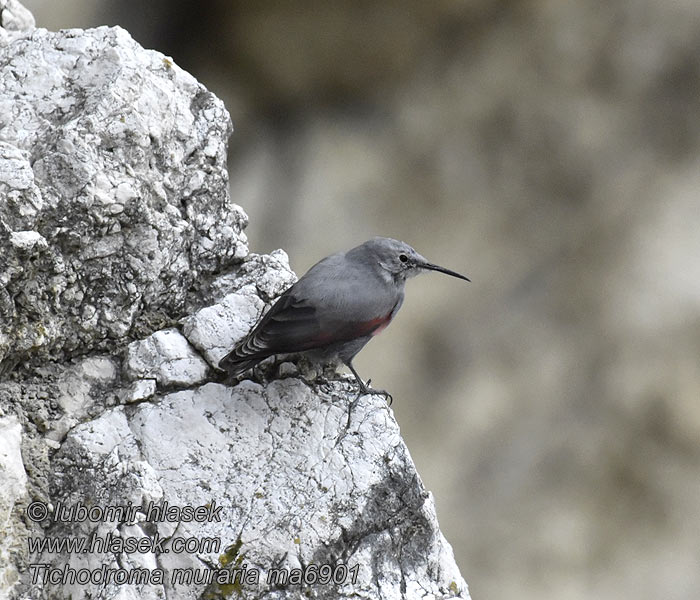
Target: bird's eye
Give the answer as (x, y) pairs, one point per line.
(403, 258)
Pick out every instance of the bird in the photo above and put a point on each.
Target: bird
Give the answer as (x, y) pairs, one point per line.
(336, 307)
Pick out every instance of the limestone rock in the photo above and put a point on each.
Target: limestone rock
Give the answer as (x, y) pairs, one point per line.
(12, 491)
(167, 357)
(303, 476)
(15, 19)
(113, 176)
(215, 329)
(124, 263)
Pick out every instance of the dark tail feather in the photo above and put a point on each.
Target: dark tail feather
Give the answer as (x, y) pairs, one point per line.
(235, 365)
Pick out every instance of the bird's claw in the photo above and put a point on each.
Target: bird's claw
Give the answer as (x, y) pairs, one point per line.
(368, 390)
(364, 387)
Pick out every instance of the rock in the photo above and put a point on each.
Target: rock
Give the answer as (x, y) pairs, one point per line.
(28, 240)
(12, 491)
(14, 18)
(139, 390)
(116, 211)
(215, 329)
(80, 388)
(125, 275)
(300, 476)
(167, 357)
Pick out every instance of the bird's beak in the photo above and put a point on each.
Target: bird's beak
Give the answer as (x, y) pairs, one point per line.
(433, 267)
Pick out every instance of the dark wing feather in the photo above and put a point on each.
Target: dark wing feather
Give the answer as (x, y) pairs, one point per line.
(287, 327)
(294, 324)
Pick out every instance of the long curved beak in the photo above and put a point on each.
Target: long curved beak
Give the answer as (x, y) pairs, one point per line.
(433, 267)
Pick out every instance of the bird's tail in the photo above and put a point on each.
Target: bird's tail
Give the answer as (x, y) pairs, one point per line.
(234, 364)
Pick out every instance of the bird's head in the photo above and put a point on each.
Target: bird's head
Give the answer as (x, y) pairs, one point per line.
(400, 260)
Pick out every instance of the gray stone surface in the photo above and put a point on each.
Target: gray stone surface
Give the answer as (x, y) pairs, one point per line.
(13, 493)
(113, 175)
(124, 277)
(15, 19)
(303, 475)
(214, 329)
(167, 357)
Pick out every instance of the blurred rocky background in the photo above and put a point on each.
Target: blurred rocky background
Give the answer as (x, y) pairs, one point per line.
(549, 150)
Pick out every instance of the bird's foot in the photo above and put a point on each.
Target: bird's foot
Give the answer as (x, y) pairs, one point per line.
(366, 389)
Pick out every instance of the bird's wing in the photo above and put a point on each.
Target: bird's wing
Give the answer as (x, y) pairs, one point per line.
(328, 305)
(284, 327)
(302, 319)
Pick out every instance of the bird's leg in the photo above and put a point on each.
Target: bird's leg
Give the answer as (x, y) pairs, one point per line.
(256, 372)
(364, 387)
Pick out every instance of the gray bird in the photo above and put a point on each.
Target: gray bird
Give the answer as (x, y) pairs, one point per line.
(336, 307)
